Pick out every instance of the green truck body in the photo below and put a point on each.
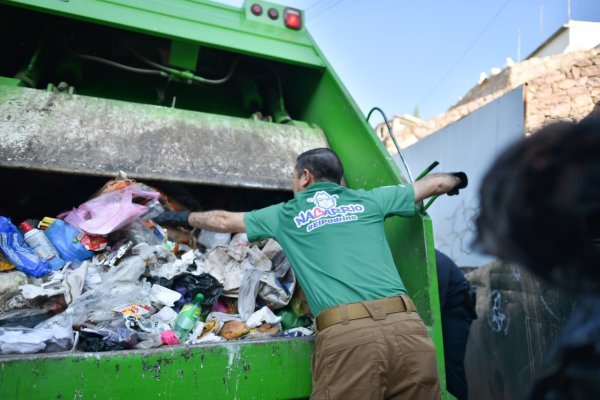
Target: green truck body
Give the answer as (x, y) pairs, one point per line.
(96, 122)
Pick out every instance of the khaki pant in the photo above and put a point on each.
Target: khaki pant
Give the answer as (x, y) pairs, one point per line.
(393, 358)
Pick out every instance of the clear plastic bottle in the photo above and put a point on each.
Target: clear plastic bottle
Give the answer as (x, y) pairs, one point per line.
(187, 317)
(41, 246)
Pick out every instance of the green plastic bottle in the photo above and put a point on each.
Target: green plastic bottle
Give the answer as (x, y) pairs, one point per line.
(187, 317)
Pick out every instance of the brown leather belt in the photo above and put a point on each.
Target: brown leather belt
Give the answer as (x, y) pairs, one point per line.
(365, 309)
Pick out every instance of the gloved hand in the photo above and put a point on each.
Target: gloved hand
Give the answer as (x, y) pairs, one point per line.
(464, 181)
(174, 218)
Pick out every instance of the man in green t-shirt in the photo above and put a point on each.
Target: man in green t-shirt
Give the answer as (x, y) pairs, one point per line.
(370, 342)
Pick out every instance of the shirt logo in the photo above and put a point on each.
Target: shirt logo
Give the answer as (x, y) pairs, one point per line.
(326, 211)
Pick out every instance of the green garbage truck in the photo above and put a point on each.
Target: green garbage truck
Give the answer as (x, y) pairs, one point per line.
(217, 99)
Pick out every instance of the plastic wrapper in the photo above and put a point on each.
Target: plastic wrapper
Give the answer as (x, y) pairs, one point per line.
(147, 323)
(210, 338)
(264, 315)
(225, 264)
(107, 336)
(50, 336)
(248, 292)
(27, 318)
(139, 232)
(228, 265)
(109, 211)
(126, 275)
(297, 332)
(162, 295)
(273, 287)
(93, 243)
(190, 285)
(154, 209)
(65, 239)
(120, 287)
(289, 320)
(276, 292)
(18, 253)
(169, 337)
(10, 281)
(210, 239)
(93, 276)
(74, 282)
(111, 258)
(185, 264)
(149, 342)
(167, 315)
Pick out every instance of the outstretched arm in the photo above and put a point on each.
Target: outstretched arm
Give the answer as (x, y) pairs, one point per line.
(218, 221)
(436, 184)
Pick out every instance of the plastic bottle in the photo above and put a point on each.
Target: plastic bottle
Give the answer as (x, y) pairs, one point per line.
(42, 247)
(187, 317)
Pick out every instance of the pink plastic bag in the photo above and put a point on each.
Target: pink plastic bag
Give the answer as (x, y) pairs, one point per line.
(109, 212)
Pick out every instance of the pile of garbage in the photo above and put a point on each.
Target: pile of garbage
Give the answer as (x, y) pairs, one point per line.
(104, 276)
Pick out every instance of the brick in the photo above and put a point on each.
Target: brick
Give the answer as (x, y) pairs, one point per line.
(555, 99)
(582, 101)
(553, 76)
(578, 91)
(584, 62)
(592, 82)
(566, 84)
(559, 110)
(543, 91)
(592, 70)
(534, 120)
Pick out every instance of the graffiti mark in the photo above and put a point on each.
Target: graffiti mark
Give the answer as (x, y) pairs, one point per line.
(516, 272)
(498, 318)
(548, 308)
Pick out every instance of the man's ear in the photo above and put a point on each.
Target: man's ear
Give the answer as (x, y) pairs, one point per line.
(306, 178)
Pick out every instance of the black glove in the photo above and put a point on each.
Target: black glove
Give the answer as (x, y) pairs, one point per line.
(464, 181)
(174, 218)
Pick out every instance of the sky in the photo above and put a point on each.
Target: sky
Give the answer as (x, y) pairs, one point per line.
(424, 55)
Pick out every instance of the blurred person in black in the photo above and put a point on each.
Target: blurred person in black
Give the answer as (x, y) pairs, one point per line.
(457, 303)
(540, 208)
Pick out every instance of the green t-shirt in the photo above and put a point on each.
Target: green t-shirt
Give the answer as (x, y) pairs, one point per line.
(334, 239)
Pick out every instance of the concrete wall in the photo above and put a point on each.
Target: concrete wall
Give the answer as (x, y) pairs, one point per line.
(469, 145)
(559, 44)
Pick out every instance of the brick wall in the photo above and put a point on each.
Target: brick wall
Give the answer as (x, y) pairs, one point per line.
(562, 86)
(570, 91)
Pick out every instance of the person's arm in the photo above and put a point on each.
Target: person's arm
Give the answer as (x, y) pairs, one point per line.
(436, 184)
(215, 220)
(218, 221)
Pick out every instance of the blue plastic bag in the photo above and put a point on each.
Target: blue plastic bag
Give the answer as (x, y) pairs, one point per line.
(21, 255)
(65, 238)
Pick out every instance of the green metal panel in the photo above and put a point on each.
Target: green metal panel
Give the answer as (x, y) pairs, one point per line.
(184, 55)
(204, 22)
(277, 369)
